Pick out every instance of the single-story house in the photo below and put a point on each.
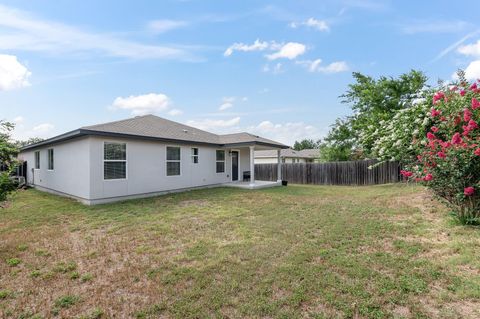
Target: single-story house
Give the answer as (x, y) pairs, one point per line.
(142, 156)
(287, 156)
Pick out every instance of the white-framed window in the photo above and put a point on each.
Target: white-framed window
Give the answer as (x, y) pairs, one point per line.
(194, 155)
(114, 160)
(173, 160)
(220, 161)
(37, 160)
(50, 159)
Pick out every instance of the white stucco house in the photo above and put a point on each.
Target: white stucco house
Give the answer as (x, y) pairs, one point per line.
(287, 155)
(142, 156)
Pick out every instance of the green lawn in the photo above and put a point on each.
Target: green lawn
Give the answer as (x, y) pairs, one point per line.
(291, 252)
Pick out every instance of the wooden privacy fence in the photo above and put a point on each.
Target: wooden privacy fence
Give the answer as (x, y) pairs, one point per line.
(332, 173)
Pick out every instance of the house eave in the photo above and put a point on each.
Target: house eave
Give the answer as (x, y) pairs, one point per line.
(53, 140)
(84, 132)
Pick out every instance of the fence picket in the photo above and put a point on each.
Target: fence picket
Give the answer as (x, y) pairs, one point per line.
(333, 173)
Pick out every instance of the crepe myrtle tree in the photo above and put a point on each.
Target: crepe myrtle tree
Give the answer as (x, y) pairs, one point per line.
(448, 154)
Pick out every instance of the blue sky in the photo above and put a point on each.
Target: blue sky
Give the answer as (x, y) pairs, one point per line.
(272, 68)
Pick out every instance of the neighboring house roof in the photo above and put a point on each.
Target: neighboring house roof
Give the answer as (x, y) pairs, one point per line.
(157, 128)
(290, 153)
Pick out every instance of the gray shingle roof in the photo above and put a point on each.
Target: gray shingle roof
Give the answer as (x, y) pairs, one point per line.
(154, 127)
(307, 153)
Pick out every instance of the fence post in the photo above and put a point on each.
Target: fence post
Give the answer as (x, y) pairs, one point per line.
(332, 173)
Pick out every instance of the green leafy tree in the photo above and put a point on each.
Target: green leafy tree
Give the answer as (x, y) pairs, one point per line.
(373, 101)
(306, 144)
(339, 145)
(8, 152)
(31, 140)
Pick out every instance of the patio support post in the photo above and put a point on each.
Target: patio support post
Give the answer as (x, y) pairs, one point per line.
(279, 166)
(252, 165)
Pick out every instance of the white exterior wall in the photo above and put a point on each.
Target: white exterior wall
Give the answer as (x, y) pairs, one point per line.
(78, 169)
(71, 168)
(146, 169)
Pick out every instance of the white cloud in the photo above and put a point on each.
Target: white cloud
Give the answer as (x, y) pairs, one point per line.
(214, 125)
(470, 49)
(142, 104)
(18, 120)
(13, 75)
(434, 27)
(472, 72)
(175, 112)
(43, 128)
(286, 133)
(319, 25)
(455, 45)
(228, 102)
(316, 66)
(24, 132)
(20, 30)
(276, 69)
(225, 106)
(290, 51)
(256, 46)
(264, 91)
(162, 26)
(334, 67)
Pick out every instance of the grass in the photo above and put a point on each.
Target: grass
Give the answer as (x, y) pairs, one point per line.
(291, 252)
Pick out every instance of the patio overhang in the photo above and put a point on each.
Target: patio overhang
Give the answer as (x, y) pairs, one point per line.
(253, 183)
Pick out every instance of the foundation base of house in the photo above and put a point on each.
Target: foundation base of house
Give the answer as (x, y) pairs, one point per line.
(245, 185)
(255, 185)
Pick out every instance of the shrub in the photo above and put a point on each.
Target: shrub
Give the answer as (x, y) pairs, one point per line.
(448, 156)
(7, 185)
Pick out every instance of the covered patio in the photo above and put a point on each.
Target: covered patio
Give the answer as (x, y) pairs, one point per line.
(242, 166)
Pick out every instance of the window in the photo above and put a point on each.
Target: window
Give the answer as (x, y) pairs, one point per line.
(220, 159)
(114, 160)
(50, 159)
(194, 155)
(173, 161)
(283, 159)
(37, 160)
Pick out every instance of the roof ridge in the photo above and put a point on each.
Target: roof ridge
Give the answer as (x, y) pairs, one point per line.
(176, 123)
(154, 116)
(117, 121)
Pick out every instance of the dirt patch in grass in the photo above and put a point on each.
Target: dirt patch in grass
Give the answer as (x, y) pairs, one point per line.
(318, 308)
(193, 202)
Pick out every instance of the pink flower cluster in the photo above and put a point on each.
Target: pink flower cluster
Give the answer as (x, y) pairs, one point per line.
(452, 133)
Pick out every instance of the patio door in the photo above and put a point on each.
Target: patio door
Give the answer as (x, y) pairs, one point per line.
(234, 165)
